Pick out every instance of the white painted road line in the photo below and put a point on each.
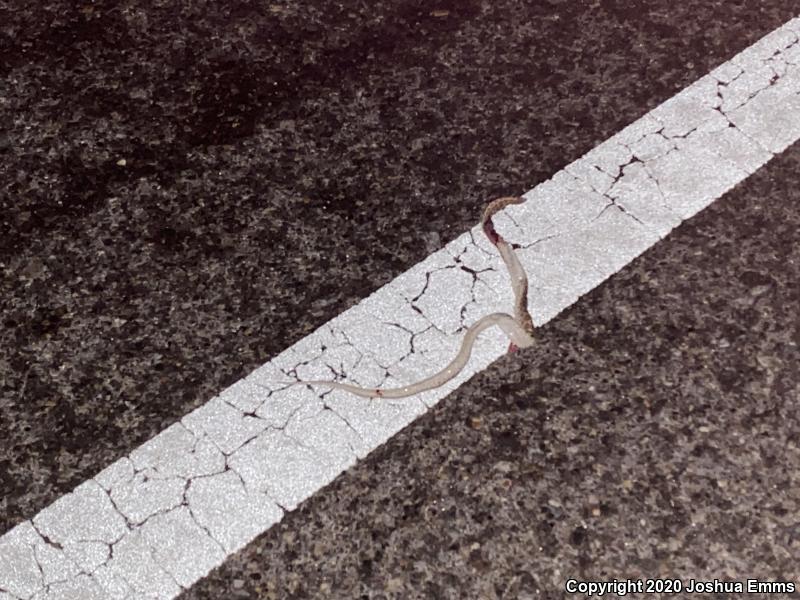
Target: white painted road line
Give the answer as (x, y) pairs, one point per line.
(156, 521)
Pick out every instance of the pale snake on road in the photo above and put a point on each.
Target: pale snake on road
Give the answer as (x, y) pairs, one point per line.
(519, 327)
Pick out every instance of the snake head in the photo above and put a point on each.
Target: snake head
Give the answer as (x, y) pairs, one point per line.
(490, 232)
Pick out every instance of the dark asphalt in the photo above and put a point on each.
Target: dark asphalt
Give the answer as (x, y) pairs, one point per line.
(653, 431)
(186, 189)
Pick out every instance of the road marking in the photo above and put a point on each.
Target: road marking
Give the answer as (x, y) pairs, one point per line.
(156, 521)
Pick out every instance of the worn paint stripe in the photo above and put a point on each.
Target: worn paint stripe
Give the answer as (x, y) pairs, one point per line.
(156, 521)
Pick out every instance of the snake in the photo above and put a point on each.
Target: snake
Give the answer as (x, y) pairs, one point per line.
(518, 327)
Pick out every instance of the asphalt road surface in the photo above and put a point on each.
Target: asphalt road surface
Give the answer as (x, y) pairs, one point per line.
(187, 189)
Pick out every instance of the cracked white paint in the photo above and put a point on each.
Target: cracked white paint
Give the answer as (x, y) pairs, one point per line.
(283, 468)
(230, 512)
(226, 425)
(85, 514)
(87, 555)
(133, 571)
(445, 293)
(80, 587)
(54, 564)
(153, 523)
(181, 546)
(20, 573)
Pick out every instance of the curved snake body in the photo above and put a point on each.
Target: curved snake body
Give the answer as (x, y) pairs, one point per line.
(519, 328)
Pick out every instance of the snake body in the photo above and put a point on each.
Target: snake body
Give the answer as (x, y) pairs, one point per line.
(519, 327)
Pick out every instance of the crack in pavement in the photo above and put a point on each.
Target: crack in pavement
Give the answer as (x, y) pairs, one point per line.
(260, 447)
